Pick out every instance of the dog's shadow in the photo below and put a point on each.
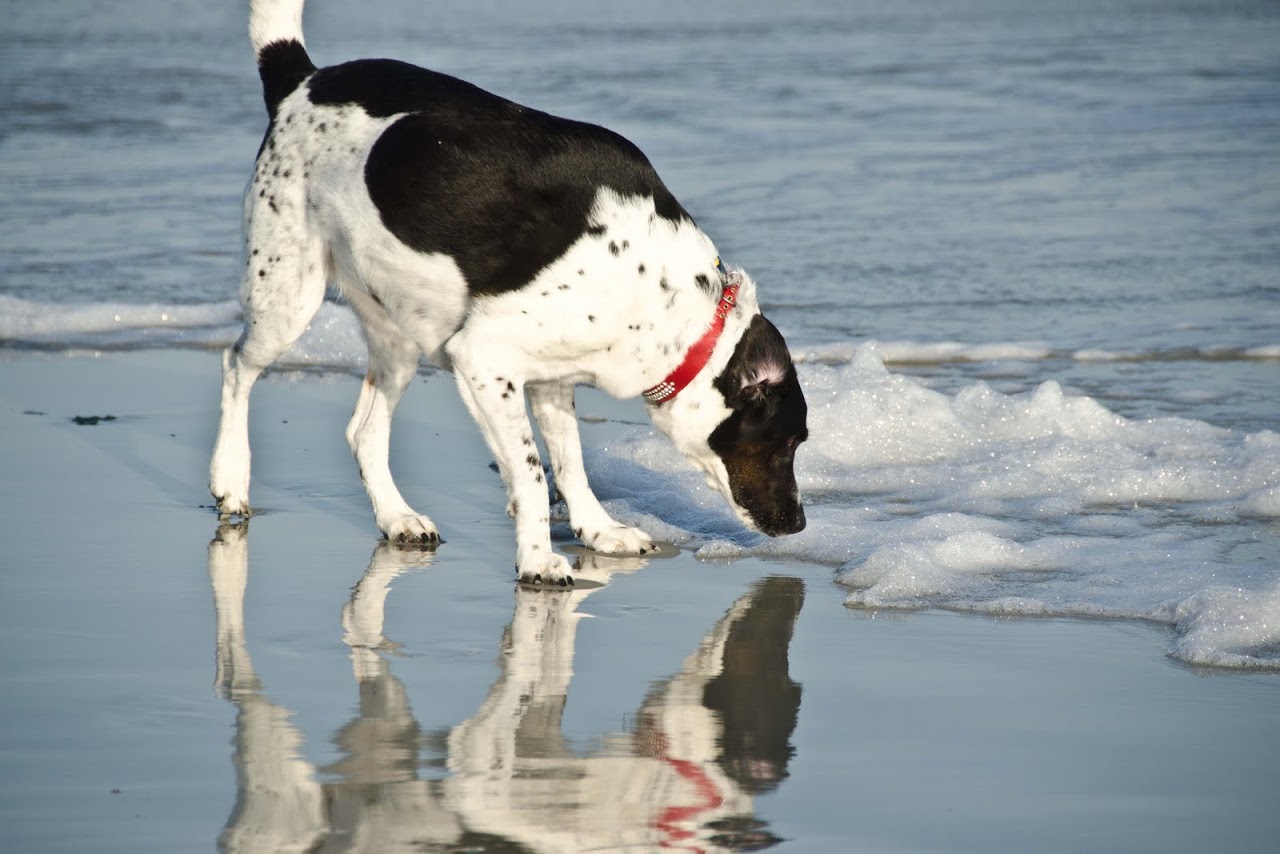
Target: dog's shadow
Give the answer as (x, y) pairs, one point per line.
(684, 772)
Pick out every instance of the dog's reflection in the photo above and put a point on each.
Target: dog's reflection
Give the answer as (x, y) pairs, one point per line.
(684, 775)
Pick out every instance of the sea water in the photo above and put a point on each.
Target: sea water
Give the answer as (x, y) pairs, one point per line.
(1027, 255)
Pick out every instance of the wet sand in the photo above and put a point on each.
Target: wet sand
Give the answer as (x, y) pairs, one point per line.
(176, 684)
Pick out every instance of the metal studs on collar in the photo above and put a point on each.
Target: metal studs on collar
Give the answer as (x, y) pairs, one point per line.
(660, 392)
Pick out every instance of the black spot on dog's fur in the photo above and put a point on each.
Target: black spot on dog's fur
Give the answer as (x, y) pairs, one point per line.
(640, 269)
(702, 281)
(597, 230)
(613, 248)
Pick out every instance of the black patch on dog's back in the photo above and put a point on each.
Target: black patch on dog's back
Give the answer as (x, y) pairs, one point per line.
(387, 87)
(503, 189)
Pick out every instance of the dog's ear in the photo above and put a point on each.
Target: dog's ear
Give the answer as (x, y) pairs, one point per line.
(768, 376)
(760, 365)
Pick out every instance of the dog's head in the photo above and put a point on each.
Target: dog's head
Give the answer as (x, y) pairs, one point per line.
(742, 429)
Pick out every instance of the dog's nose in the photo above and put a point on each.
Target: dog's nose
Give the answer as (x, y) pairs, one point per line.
(798, 520)
(785, 523)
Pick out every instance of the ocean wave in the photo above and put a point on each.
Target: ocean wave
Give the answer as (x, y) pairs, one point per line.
(951, 352)
(333, 339)
(331, 342)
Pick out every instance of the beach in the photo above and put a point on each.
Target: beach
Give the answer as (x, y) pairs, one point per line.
(1025, 258)
(172, 681)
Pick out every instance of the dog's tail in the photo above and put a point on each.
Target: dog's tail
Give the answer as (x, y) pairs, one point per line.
(275, 31)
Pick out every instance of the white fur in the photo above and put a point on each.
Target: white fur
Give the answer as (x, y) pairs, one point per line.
(274, 20)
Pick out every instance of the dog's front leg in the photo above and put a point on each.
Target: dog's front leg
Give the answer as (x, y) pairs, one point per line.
(497, 402)
(552, 405)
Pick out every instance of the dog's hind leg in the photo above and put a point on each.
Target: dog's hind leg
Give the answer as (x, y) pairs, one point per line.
(552, 406)
(284, 283)
(393, 361)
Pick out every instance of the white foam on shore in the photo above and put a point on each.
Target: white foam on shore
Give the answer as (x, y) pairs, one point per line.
(77, 324)
(1035, 503)
(332, 340)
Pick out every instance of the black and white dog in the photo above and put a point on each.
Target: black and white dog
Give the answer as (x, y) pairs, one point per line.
(522, 251)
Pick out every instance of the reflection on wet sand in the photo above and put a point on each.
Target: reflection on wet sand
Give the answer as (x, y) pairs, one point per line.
(704, 743)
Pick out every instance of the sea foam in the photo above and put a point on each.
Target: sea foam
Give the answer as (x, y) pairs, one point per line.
(1043, 502)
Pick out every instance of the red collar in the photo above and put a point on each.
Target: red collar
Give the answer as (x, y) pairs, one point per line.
(700, 353)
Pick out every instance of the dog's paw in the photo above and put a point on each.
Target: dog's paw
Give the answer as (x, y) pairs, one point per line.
(230, 505)
(616, 540)
(229, 481)
(547, 569)
(411, 528)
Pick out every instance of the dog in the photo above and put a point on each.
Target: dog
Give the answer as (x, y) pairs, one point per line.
(524, 252)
